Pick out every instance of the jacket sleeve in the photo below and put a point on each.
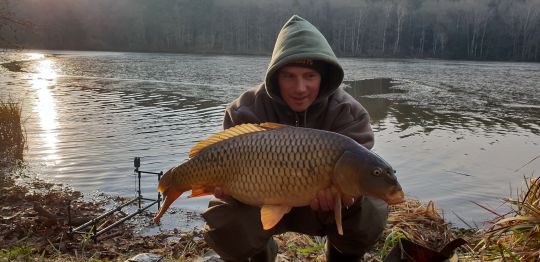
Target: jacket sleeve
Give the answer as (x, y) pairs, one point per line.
(350, 118)
(228, 120)
(359, 130)
(240, 111)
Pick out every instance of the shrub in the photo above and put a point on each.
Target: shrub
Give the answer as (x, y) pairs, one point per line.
(12, 136)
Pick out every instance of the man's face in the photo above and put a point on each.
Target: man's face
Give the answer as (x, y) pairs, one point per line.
(299, 86)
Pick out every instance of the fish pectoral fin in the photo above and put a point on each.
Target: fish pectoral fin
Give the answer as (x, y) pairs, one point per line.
(200, 190)
(272, 214)
(337, 215)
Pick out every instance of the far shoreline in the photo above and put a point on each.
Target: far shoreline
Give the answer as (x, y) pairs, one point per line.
(240, 54)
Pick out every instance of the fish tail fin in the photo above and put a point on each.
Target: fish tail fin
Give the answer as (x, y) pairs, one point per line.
(171, 191)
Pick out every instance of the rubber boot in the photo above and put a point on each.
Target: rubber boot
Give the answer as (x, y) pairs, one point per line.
(334, 255)
(268, 254)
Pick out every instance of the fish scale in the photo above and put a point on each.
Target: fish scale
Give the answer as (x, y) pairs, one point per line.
(277, 167)
(247, 150)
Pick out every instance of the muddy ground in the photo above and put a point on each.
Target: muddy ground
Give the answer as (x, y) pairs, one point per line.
(34, 222)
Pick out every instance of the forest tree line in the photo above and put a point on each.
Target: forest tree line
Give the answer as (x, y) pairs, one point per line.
(449, 29)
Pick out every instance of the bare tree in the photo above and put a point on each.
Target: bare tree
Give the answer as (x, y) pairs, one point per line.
(529, 24)
(477, 15)
(401, 13)
(9, 22)
(455, 29)
(387, 10)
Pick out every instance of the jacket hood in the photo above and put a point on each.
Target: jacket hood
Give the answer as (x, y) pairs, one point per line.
(298, 40)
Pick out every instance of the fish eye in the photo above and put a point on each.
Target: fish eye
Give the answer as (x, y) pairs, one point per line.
(377, 172)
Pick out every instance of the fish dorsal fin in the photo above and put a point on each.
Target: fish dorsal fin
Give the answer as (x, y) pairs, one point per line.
(270, 125)
(232, 132)
(271, 215)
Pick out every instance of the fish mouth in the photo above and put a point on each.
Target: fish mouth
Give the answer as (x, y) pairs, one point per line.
(395, 197)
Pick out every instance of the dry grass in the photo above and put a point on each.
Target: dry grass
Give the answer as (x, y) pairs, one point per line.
(12, 136)
(516, 234)
(423, 224)
(300, 247)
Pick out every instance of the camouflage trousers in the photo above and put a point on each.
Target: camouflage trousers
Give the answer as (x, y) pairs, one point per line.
(235, 232)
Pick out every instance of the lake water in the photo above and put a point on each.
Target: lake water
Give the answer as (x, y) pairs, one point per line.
(457, 132)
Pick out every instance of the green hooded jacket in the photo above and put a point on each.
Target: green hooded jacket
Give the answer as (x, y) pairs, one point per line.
(333, 110)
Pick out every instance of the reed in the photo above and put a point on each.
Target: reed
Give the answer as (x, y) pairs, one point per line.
(12, 135)
(515, 235)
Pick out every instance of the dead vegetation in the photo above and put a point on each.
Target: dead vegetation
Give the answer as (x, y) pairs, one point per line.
(34, 226)
(515, 235)
(12, 136)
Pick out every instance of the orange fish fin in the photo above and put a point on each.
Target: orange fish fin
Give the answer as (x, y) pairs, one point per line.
(337, 215)
(232, 132)
(199, 190)
(272, 214)
(270, 125)
(169, 196)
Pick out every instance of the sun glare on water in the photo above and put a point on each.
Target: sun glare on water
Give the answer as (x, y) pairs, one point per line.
(35, 56)
(42, 80)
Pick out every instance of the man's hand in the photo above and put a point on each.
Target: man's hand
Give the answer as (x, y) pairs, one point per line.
(326, 200)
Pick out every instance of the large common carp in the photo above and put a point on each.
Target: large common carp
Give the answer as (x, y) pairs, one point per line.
(277, 167)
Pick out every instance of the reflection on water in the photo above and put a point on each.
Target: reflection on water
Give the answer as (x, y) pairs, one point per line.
(363, 91)
(375, 86)
(373, 94)
(42, 81)
(35, 56)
